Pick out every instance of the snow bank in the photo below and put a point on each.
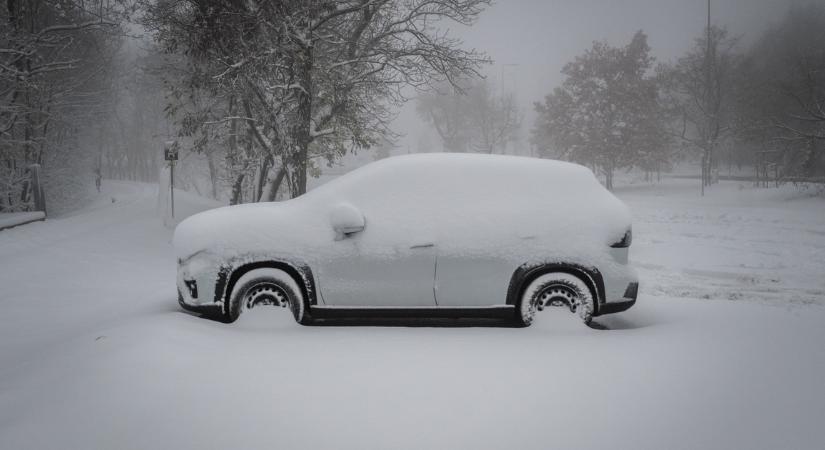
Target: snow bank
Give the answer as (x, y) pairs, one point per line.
(8, 220)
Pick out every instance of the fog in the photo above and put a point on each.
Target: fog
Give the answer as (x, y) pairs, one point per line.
(529, 41)
(125, 87)
(609, 232)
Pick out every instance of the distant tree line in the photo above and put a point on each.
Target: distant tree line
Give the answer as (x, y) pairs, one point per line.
(261, 94)
(763, 106)
(781, 112)
(55, 80)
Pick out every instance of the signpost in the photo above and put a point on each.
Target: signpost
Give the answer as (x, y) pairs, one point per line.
(170, 153)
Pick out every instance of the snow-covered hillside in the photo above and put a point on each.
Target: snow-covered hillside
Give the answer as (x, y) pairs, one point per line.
(723, 349)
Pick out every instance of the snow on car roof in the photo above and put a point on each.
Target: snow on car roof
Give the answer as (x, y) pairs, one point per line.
(442, 173)
(479, 162)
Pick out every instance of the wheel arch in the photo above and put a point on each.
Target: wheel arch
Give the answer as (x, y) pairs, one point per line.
(229, 274)
(526, 273)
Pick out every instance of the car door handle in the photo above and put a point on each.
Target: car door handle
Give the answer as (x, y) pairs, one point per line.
(425, 245)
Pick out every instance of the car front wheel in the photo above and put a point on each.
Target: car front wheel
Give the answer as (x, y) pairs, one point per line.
(266, 286)
(555, 289)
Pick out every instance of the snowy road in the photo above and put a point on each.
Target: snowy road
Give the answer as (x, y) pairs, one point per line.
(724, 349)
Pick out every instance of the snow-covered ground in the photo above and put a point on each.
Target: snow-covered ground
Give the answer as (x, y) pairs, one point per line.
(738, 243)
(723, 350)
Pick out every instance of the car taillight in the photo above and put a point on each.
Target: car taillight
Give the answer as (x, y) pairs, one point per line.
(626, 240)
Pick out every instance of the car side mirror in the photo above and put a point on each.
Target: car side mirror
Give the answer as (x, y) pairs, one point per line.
(346, 220)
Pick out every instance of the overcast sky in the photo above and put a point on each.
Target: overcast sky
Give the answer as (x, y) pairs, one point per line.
(531, 40)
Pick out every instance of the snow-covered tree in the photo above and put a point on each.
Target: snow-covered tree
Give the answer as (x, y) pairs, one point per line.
(702, 90)
(606, 114)
(312, 80)
(55, 77)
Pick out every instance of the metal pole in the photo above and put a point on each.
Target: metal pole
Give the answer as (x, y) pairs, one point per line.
(706, 155)
(172, 185)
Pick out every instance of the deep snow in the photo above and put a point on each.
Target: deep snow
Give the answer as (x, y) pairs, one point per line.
(723, 350)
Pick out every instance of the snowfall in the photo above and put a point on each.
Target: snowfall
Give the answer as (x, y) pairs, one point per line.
(724, 349)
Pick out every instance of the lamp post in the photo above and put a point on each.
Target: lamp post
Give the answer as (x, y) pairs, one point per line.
(706, 154)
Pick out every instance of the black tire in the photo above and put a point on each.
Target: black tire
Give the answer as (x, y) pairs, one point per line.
(269, 285)
(575, 291)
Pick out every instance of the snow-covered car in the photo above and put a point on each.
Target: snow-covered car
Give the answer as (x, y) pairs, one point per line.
(428, 235)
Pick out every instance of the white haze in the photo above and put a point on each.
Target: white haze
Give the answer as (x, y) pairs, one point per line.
(530, 41)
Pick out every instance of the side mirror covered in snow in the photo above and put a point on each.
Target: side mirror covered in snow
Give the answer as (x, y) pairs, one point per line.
(346, 220)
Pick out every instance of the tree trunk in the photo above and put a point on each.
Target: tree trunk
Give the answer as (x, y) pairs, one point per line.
(237, 190)
(705, 169)
(272, 191)
(298, 160)
(263, 178)
(810, 162)
(608, 177)
(12, 8)
(213, 174)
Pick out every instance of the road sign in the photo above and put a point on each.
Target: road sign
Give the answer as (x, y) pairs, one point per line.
(170, 151)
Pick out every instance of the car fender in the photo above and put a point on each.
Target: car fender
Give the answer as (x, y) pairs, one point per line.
(528, 272)
(230, 271)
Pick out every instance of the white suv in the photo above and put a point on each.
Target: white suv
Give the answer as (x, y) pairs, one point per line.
(419, 236)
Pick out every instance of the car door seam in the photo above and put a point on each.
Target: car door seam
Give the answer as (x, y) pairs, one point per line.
(435, 280)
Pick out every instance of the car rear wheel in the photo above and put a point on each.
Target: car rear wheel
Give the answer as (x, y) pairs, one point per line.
(266, 286)
(555, 289)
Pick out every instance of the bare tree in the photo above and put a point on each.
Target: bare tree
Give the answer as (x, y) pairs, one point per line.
(783, 113)
(474, 118)
(701, 92)
(446, 111)
(496, 118)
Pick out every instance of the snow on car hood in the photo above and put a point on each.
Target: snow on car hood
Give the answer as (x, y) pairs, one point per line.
(247, 228)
